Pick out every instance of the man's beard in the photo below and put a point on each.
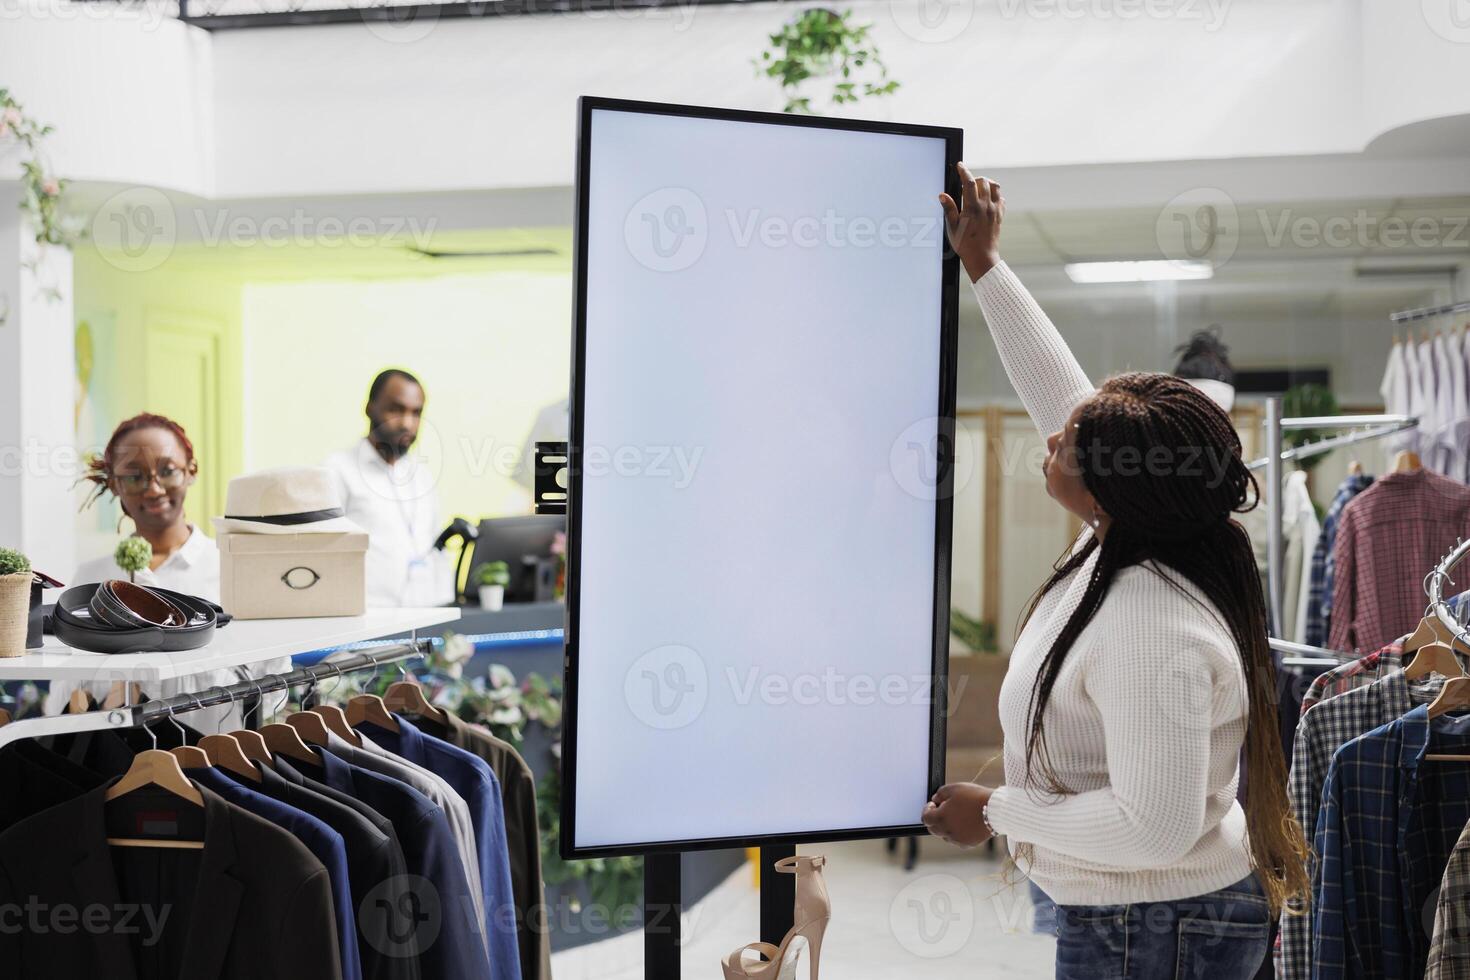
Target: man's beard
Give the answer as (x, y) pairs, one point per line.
(392, 444)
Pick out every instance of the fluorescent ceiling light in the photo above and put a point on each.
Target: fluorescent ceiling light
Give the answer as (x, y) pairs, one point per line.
(1157, 270)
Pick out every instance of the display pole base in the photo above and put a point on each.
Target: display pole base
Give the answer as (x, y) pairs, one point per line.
(661, 908)
(778, 895)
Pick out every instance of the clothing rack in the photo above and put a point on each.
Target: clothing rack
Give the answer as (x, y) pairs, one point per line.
(1378, 427)
(1435, 587)
(134, 716)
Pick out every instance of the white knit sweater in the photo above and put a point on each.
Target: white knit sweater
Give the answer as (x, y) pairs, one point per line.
(1147, 717)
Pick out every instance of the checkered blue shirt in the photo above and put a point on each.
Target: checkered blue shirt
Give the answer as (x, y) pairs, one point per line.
(1319, 594)
(1320, 733)
(1388, 824)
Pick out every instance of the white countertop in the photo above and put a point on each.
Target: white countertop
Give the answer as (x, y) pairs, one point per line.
(242, 642)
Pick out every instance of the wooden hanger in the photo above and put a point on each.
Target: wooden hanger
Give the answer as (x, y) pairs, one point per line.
(1434, 658)
(1407, 461)
(122, 694)
(153, 767)
(407, 697)
(190, 757)
(253, 746)
(370, 708)
(285, 740)
(1455, 696)
(79, 702)
(1355, 468)
(224, 751)
(5, 718)
(1432, 630)
(310, 726)
(336, 721)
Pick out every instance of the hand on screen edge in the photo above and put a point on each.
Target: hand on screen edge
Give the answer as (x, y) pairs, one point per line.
(974, 229)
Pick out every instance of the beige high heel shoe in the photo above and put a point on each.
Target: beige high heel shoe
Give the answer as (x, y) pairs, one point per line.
(813, 909)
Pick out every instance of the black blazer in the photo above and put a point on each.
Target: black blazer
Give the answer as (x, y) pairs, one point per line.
(254, 904)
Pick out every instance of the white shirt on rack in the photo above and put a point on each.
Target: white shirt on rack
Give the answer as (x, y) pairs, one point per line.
(397, 504)
(1446, 453)
(1416, 395)
(1428, 402)
(1396, 395)
(193, 570)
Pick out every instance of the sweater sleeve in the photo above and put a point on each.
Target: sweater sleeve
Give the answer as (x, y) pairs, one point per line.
(1037, 360)
(1158, 701)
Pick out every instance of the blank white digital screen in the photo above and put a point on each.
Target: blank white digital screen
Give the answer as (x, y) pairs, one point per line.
(759, 392)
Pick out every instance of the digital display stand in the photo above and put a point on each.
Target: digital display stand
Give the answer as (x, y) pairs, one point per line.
(759, 487)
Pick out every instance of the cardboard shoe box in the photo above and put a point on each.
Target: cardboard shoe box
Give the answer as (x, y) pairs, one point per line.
(286, 576)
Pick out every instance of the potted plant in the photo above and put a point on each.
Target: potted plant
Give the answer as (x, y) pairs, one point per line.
(133, 555)
(15, 602)
(492, 577)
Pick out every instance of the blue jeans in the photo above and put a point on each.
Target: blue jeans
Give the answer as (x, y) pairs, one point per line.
(1219, 936)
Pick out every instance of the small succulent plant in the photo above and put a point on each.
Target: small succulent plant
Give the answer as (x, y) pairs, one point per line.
(13, 562)
(133, 555)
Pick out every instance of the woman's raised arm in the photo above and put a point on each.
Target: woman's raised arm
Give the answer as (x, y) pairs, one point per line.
(1038, 362)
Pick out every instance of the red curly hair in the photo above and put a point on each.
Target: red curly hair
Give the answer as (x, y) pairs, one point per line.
(99, 468)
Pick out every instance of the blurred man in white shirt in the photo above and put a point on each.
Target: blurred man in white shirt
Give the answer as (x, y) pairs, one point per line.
(389, 490)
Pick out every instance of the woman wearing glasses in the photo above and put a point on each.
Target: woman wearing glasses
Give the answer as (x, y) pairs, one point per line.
(149, 465)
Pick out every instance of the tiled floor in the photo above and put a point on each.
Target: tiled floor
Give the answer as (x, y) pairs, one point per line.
(950, 918)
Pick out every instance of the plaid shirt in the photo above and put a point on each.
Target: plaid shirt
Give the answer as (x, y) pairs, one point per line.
(1449, 950)
(1321, 732)
(1319, 591)
(1388, 824)
(1354, 674)
(1387, 538)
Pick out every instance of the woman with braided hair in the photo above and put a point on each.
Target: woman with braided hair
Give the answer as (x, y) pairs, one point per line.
(1141, 673)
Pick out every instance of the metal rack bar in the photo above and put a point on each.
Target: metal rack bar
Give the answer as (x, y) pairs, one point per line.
(1346, 421)
(1429, 312)
(133, 716)
(1303, 655)
(1275, 586)
(1337, 442)
(1307, 650)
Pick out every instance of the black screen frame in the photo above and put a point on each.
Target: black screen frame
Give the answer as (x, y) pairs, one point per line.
(949, 272)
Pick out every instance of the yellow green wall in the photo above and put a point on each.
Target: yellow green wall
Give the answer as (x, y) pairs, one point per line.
(303, 330)
(490, 348)
(118, 308)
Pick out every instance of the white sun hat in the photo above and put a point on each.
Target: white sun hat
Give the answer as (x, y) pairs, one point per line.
(289, 500)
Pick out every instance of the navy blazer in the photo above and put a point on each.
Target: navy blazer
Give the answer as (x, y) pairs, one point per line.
(322, 841)
(436, 919)
(472, 778)
(373, 859)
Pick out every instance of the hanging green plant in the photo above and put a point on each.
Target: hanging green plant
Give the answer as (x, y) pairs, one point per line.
(40, 189)
(821, 46)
